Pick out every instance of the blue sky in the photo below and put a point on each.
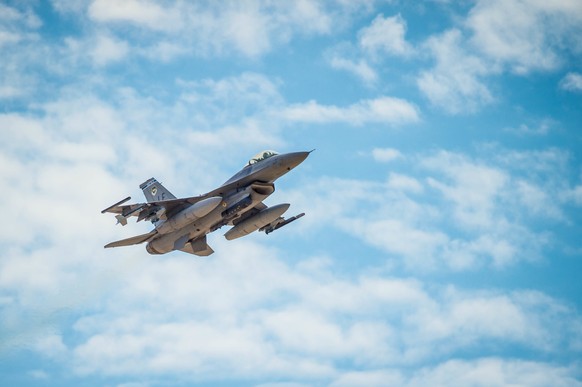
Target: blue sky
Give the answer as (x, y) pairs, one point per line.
(441, 244)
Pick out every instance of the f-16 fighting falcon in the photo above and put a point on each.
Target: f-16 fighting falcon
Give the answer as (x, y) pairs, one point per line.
(182, 224)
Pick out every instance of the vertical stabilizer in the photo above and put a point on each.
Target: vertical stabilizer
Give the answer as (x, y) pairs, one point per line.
(154, 191)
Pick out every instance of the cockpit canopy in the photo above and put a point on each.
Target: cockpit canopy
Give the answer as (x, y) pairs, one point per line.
(262, 156)
(248, 168)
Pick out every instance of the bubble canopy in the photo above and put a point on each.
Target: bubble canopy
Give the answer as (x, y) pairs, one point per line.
(262, 156)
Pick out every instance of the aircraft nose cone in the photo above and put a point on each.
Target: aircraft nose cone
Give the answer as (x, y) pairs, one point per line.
(291, 160)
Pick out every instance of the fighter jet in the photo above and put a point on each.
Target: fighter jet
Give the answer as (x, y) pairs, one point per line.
(182, 224)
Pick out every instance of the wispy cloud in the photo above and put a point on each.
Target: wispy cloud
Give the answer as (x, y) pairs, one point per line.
(250, 29)
(147, 14)
(385, 36)
(456, 83)
(388, 110)
(572, 82)
(19, 43)
(386, 154)
(525, 35)
(456, 213)
(310, 334)
(520, 37)
(541, 128)
(361, 68)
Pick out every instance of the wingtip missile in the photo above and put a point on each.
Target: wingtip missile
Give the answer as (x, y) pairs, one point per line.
(283, 223)
(117, 204)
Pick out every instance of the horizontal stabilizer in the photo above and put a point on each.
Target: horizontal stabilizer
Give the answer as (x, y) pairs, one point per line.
(136, 240)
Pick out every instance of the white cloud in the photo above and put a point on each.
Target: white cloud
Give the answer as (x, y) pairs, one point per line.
(494, 372)
(228, 99)
(248, 31)
(361, 69)
(520, 37)
(484, 371)
(99, 50)
(544, 165)
(538, 200)
(8, 38)
(20, 51)
(545, 187)
(387, 110)
(572, 82)
(385, 155)
(10, 16)
(474, 188)
(525, 35)
(153, 327)
(400, 182)
(39, 375)
(51, 346)
(542, 128)
(147, 14)
(375, 378)
(418, 247)
(509, 31)
(457, 212)
(490, 200)
(245, 312)
(250, 28)
(10, 91)
(385, 36)
(576, 195)
(107, 50)
(456, 83)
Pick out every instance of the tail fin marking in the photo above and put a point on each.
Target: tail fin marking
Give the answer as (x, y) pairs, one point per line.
(155, 191)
